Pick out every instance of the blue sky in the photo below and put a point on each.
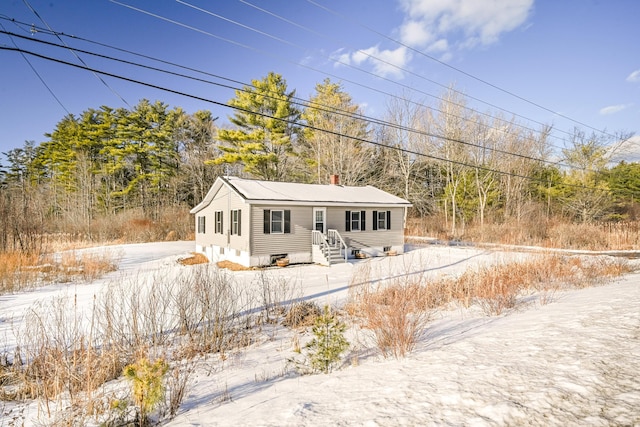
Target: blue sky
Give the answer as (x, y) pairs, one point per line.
(578, 58)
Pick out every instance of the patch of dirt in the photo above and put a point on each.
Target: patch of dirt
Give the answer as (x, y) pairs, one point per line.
(196, 258)
(232, 266)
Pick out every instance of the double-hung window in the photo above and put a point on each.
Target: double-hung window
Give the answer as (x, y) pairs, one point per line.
(218, 222)
(201, 224)
(277, 221)
(236, 222)
(381, 220)
(355, 221)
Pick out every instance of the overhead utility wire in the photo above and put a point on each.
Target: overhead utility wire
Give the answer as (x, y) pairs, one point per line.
(313, 69)
(36, 73)
(621, 141)
(189, 27)
(74, 54)
(346, 64)
(284, 120)
(300, 102)
(419, 52)
(420, 76)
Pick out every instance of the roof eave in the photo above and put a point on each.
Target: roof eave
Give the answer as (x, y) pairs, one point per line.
(324, 203)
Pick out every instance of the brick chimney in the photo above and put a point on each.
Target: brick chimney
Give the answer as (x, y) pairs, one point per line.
(335, 180)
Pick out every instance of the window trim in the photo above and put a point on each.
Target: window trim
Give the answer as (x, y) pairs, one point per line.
(356, 222)
(280, 222)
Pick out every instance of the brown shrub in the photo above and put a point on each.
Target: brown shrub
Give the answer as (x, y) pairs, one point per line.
(396, 315)
(536, 229)
(301, 314)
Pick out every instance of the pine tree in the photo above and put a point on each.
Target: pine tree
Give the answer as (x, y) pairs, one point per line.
(265, 127)
(146, 381)
(328, 342)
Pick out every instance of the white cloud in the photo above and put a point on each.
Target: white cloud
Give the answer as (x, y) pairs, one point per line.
(464, 23)
(442, 26)
(385, 62)
(629, 151)
(414, 33)
(612, 109)
(634, 77)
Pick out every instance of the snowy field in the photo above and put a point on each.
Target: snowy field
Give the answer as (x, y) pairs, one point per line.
(572, 361)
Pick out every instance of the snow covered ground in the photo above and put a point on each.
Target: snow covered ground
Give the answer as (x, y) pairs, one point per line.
(572, 361)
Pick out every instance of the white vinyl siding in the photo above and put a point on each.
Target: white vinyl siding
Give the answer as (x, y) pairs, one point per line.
(225, 201)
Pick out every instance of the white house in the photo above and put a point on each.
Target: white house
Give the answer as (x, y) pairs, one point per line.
(255, 223)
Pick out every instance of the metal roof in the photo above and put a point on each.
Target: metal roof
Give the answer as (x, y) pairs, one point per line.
(290, 193)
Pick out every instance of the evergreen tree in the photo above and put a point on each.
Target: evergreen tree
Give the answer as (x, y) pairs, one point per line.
(265, 129)
(328, 342)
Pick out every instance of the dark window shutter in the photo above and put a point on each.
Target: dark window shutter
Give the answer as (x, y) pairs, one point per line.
(287, 221)
(388, 220)
(375, 220)
(239, 222)
(267, 221)
(221, 223)
(362, 220)
(347, 221)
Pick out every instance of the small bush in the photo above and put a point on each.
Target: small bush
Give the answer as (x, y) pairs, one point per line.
(396, 314)
(328, 342)
(302, 314)
(147, 385)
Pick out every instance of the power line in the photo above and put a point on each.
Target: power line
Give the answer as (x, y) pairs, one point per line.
(36, 73)
(321, 72)
(304, 103)
(419, 52)
(367, 141)
(74, 54)
(466, 119)
(404, 70)
(346, 64)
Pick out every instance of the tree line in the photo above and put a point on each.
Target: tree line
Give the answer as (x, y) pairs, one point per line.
(450, 161)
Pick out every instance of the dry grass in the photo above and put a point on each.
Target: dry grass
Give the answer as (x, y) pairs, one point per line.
(496, 287)
(64, 363)
(19, 271)
(397, 312)
(537, 231)
(302, 314)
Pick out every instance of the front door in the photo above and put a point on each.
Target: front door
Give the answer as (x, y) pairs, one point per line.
(320, 220)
